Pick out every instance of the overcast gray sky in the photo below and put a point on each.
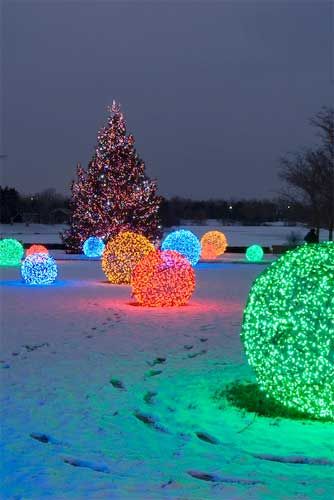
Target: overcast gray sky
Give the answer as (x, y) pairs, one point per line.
(214, 92)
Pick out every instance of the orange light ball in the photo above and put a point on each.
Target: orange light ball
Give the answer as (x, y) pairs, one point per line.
(36, 249)
(122, 253)
(213, 243)
(163, 279)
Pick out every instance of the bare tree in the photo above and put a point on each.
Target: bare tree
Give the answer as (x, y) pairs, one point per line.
(310, 174)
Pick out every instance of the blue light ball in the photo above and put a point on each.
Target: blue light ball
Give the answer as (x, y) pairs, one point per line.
(93, 247)
(39, 269)
(184, 242)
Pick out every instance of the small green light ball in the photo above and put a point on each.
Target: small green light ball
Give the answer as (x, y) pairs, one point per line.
(288, 329)
(11, 252)
(254, 253)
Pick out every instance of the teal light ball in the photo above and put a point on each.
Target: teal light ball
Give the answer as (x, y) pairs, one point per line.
(11, 252)
(254, 253)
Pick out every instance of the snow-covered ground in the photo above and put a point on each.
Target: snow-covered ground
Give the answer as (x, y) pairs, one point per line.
(236, 235)
(101, 398)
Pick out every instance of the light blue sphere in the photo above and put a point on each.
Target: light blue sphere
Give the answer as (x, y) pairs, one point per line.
(93, 247)
(39, 269)
(184, 242)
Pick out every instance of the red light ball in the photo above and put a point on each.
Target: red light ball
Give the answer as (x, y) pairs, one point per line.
(163, 279)
(36, 249)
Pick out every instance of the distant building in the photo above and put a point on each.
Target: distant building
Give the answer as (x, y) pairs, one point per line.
(60, 216)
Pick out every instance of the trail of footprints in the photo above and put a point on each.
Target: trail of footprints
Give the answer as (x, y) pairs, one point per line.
(153, 423)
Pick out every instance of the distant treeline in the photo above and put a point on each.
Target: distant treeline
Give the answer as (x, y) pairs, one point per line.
(47, 207)
(50, 207)
(247, 212)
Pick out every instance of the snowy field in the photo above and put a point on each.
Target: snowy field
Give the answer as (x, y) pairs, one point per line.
(102, 399)
(236, 235)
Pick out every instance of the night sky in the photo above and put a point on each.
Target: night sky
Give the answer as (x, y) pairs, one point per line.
(214, 92)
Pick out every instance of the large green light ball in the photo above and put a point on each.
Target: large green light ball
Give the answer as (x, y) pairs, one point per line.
(254, 253)
(288, 329)
(11, 252)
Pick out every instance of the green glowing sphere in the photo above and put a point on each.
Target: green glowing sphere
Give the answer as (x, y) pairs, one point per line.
(11, 252)
(254, 253)
(288, 329)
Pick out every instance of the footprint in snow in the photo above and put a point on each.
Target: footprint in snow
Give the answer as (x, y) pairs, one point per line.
(31, 348)
(294, 459)
(118, 384)
(216, 478)
(206, 327)
(149, 396)
(44, 438)
(195, 354)
(156, 361)
(98, 467)
(204, 436)
(152, 373)
(150, 421)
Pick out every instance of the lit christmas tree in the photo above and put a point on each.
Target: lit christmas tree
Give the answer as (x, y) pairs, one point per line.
(114, 194)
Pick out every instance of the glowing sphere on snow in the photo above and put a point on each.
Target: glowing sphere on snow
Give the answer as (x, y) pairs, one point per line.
(122, 253)
(184, 242)
(93, 247)
(254, 253)
(213, 243)
(39, 269)
(163, 279)
(36, 249)
(288, 329)
(11, 252)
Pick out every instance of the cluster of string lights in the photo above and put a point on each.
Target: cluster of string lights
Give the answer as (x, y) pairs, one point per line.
(288, 329)
(39, 269)
(254, 253)
(184, 242)
(11, 252)
(93, 247)
(163, 279)
(36, 249)
(122, 253)
(213, 244)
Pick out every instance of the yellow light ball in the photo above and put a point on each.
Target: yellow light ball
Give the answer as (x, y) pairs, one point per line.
(213, 243)
(121, 255)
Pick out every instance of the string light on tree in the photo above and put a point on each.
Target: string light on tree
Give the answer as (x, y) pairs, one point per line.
(184, 242)
(254, 253)
(122, 253)
(213, 243)
(288, 329)
(36, 249)
(163, 279)
(39, 269)
(114, 194)
(11, 252)
(93, 247)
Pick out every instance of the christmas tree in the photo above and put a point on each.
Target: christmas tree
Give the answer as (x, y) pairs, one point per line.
(113, 194)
